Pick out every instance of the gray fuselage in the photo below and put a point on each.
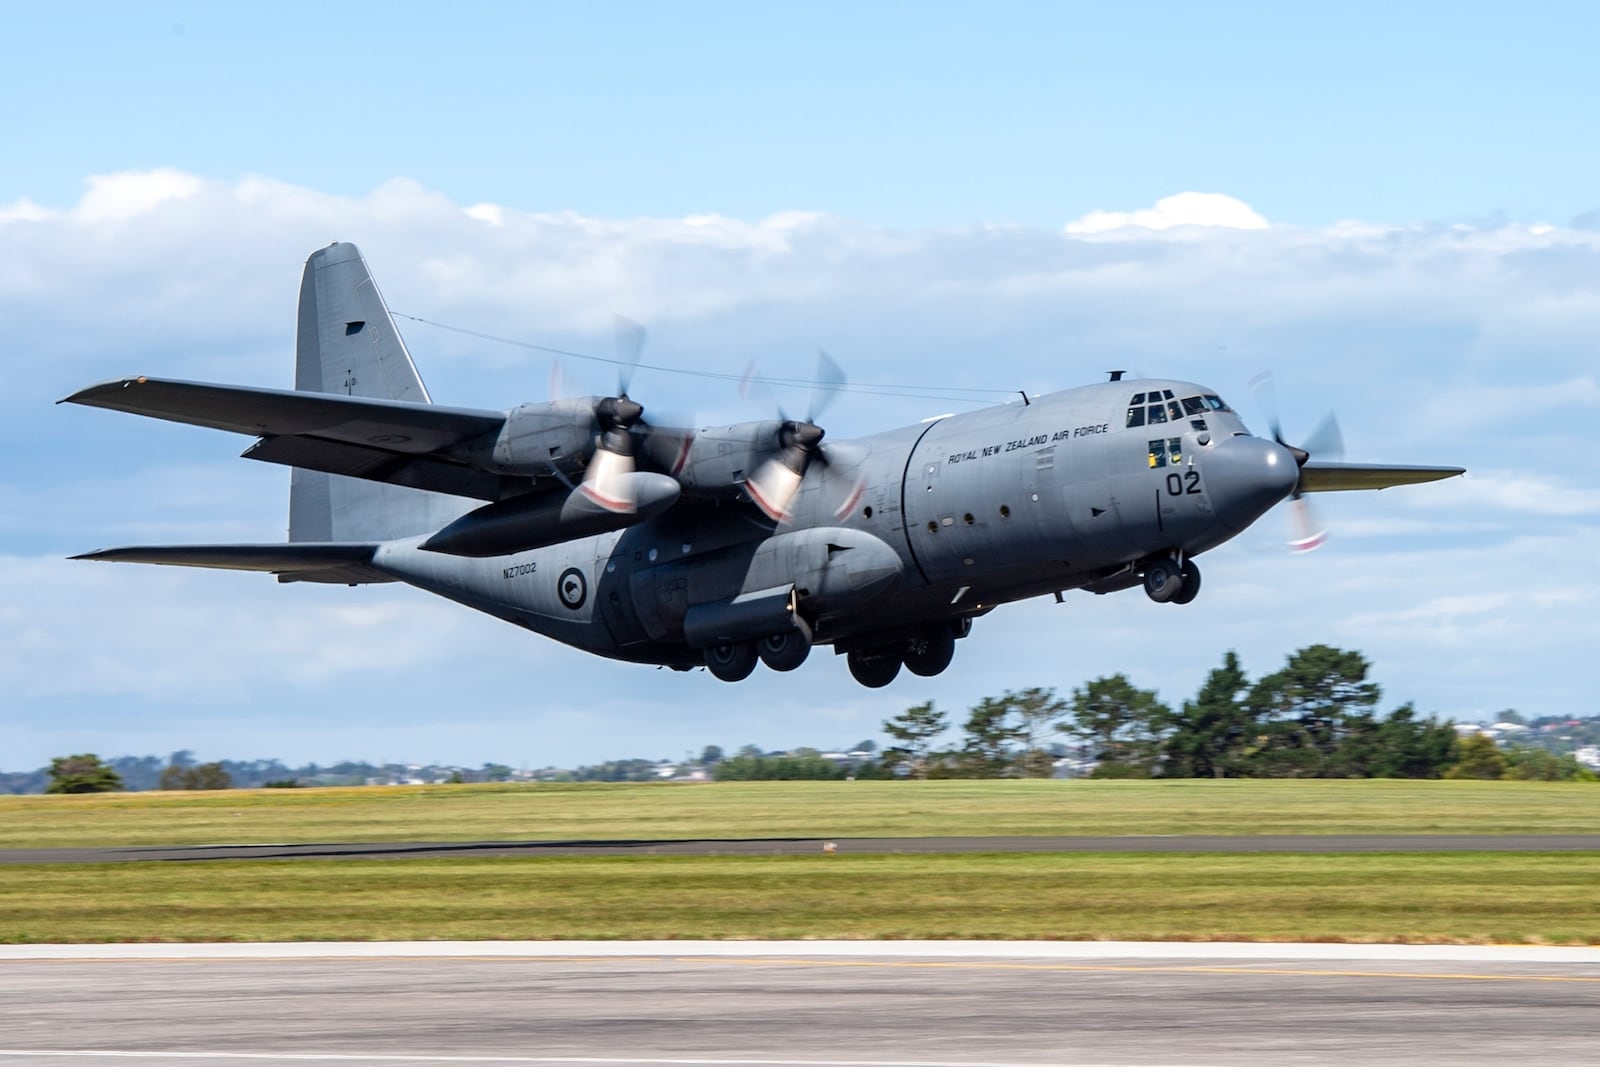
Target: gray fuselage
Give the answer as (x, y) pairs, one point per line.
(967, 511)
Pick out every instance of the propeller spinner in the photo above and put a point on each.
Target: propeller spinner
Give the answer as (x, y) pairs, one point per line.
(777, 482)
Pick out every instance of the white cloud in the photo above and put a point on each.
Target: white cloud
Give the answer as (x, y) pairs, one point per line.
(1184, 209)
(126, 195)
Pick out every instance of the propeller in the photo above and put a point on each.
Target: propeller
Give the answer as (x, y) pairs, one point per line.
(606, 482)
(775, 484)
(1326, 442)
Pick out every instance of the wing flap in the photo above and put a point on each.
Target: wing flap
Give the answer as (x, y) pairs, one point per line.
(395, 426)
(375, 464)
(1337, 477)
(341, 562)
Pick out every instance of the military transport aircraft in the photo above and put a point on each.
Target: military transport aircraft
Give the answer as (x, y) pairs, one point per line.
(580, 520)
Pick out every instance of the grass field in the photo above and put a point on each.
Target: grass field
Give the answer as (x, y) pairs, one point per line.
(1437, 897)
(799, 809)
(1461, 897)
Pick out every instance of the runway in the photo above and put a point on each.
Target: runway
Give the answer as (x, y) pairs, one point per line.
(1323, 843)
(796, 1004)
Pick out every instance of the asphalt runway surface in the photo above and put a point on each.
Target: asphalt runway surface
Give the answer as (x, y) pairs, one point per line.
(1324, 843)
(797, 1004)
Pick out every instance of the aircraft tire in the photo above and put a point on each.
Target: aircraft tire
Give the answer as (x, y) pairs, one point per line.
(930, 654)
(1162, 579)
(785, 651)
(1190, 589)
(731, 662)
(874, 669)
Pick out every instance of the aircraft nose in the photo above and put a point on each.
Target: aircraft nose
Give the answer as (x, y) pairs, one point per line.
(1248, 475)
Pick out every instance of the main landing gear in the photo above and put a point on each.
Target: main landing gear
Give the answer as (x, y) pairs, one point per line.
(926, 654)
(734, 661)
(1166, 581)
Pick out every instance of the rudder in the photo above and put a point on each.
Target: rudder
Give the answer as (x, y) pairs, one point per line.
(347, 343)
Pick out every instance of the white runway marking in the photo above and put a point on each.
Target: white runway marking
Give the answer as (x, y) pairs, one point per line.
(1014, 950)
(580, 1061)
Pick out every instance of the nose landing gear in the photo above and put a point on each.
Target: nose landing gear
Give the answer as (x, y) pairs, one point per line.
(1166, 581)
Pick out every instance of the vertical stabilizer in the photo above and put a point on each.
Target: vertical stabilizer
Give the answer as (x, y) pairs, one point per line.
(347, 343)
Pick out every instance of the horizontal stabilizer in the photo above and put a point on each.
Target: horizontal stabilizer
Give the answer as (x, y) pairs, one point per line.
(340, 562)
(394, 425)
(1335, 477)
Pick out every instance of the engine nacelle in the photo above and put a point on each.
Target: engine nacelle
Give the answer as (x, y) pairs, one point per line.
(538, 440)
(721, 458)
(541, 519)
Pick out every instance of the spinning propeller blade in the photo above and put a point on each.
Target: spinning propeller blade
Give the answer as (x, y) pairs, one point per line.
(607, 480)
(1325, 443)
(775, 485)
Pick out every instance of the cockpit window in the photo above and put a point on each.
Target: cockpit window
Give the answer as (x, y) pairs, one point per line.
(1159, 406)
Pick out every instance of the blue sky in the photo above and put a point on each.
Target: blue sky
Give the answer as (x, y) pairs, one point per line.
(1403, 225)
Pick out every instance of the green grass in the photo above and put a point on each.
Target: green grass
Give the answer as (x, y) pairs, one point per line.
(799, 809)
(1459, 897)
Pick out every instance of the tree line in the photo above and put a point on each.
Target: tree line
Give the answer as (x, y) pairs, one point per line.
(1317, 717)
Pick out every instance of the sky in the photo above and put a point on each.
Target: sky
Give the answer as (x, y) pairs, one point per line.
(1389, 206)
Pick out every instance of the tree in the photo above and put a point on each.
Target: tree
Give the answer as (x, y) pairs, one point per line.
(914, 730)
(203, 776)
(1040, 716)
(1211, 737)
(1480, 758)
(711, 755)
(869, 745)
(1121, 723)
(990, 734)
(1531, 764)
(83, 773)
(1319, 704)
(1408, 747)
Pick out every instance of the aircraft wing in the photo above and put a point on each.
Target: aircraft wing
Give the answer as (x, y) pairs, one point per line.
(340, 562)
(1334, 477)
(380, 440)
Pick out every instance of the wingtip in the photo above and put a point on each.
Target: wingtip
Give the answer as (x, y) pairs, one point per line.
(88, 393)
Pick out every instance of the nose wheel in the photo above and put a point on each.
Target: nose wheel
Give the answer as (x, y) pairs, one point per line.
(1166, 581)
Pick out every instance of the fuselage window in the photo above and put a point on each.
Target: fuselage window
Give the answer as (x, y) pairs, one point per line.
(1175, 450)
(1158, 454)
(1136, 416)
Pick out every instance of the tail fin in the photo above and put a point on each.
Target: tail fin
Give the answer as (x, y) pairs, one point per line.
(347, 343)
